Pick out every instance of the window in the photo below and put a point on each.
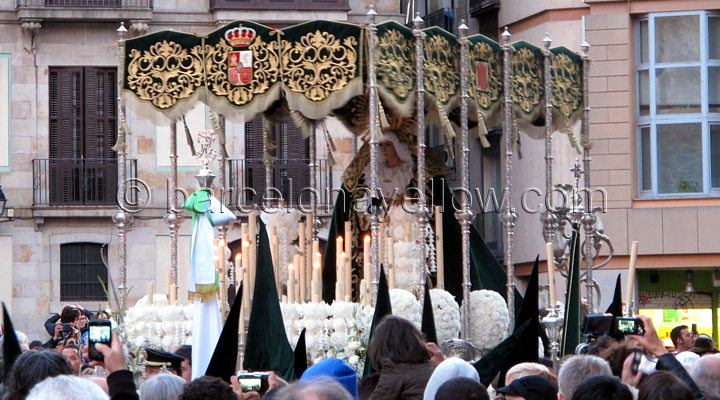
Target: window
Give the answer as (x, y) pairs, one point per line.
(678, 97)
(81, 268)
(292, 164)
(83, 126)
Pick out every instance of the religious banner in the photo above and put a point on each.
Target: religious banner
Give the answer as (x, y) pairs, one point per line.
(242, 68)
(567, 97)
(485, 62)
(321, 66)
(442, 78)
(527, 80)
(164, 68)
(395, 68)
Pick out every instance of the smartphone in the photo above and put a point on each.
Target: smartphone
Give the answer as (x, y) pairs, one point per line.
(99, 331)
(629, 326)
(253, 382)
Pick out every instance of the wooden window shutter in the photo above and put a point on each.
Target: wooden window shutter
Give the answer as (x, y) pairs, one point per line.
(100, 177)
(295, 169)
(254, 166)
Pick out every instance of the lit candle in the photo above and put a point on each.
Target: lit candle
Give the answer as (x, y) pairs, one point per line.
(630, 288)
(364, 300)
(339, 250)
(391, 276)
(367, 267)
(551, 273)
(300, 262)
(246, 289)
(439, 249)
(173, 294)
(291, 283)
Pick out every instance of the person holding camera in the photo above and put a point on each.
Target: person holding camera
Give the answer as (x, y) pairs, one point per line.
(653, 346)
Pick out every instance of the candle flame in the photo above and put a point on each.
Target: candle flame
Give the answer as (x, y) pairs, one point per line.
(221, 243)
(316, 265)
(217, 258)
(291, 266)
(366, 238)
(246, 243)
(343, 255)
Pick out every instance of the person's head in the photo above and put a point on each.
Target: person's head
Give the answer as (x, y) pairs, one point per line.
(73, 355)
(446, 370)
(602, 387)
(396, 340)
(32, 367)
(616, 354)
(524, 369)
(185, 351)
(82, 321)
(67, 388)
(530, 388)
(317, 389)
(22, 340)
(392, 151)
(69, 315)
(162, 387)
(706, 374)
(462, 388)
(703, 344)
(157, 361)
(207, 387)
(576, 369)
(35, 344)
(682, 338)
(459, 348)
(663, 385)
(335, 369)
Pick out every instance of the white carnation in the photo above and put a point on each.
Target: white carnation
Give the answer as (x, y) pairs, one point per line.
(489, 319)
(405, 305)
(446, 314)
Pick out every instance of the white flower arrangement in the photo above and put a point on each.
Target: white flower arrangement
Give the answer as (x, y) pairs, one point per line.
(405, 305)
(446, 313)
(489, 319)
(286, 221)
(407, 268)
(158, 325)
(341, 330)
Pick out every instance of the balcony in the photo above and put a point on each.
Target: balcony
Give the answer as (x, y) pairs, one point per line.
(274, 5)
(291, 179)
(73, 183)
(86, 10)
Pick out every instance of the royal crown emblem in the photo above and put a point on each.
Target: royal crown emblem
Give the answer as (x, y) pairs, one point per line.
(240, 36)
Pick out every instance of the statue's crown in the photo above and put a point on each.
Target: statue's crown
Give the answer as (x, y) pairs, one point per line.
(240, 36)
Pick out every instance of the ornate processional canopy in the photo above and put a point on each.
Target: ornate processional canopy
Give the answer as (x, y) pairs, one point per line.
(318, 67)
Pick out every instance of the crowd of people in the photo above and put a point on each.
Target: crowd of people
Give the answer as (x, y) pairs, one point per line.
(405, 367)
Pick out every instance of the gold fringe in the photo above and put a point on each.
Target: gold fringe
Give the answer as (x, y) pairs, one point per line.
(301, 122)
(516, 136)
(482, 129)
(188, 137)
(381, 113)
(268, 146)
(447, 129)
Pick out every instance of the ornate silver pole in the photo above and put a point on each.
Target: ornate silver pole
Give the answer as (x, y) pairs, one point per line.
(549, 219)
(374, 145)
(121, 219)
(465, 216)
(173, 217)
(509, 216)
(422, 212)
(313, 180)
(588, 219)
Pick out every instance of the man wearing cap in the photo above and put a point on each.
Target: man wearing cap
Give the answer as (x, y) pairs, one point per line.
(529, 388)
(155, 360)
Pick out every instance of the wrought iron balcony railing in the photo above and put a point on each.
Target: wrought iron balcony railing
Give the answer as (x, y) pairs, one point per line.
(77, 181)
(123, 4)
(291, 180)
